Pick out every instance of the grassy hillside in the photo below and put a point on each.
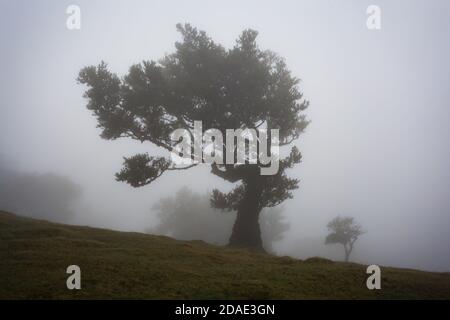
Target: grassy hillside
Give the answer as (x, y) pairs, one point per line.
(34, 256)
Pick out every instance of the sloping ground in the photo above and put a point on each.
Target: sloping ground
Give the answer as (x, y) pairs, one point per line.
(34, 256)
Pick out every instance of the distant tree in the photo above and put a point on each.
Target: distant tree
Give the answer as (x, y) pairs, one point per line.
(179, 217)
(46, 196)
(239, 88)
(345, 231)
(273, 227)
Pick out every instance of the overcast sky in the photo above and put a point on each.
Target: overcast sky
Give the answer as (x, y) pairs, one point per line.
(377, 147)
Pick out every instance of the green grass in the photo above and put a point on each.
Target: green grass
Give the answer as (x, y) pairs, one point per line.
(34, 256)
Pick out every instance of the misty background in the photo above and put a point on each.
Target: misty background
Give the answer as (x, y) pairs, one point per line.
(377, 148)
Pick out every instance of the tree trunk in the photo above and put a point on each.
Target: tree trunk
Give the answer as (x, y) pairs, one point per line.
(246, 230)
(347, 253)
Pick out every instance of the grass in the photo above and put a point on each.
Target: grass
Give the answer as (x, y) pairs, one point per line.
(34, 256)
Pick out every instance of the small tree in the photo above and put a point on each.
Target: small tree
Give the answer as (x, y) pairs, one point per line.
(344, 230)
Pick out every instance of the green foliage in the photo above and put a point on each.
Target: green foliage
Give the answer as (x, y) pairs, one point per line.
(343, 230)
(141, 169)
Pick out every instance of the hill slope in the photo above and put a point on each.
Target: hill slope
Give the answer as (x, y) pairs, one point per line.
(34, 256)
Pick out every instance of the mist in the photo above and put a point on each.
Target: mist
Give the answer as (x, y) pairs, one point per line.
(377, 147)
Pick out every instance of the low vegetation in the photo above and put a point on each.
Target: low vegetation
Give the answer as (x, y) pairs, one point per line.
(34, 256)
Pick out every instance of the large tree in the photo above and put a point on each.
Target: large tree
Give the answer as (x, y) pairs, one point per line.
(239, 88)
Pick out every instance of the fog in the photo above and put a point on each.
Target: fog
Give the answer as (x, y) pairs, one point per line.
(377, 147)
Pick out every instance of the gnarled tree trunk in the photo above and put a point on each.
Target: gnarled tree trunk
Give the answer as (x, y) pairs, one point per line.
(246, 230)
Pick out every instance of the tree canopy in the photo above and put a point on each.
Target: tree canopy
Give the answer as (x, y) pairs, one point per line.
(345, 231)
